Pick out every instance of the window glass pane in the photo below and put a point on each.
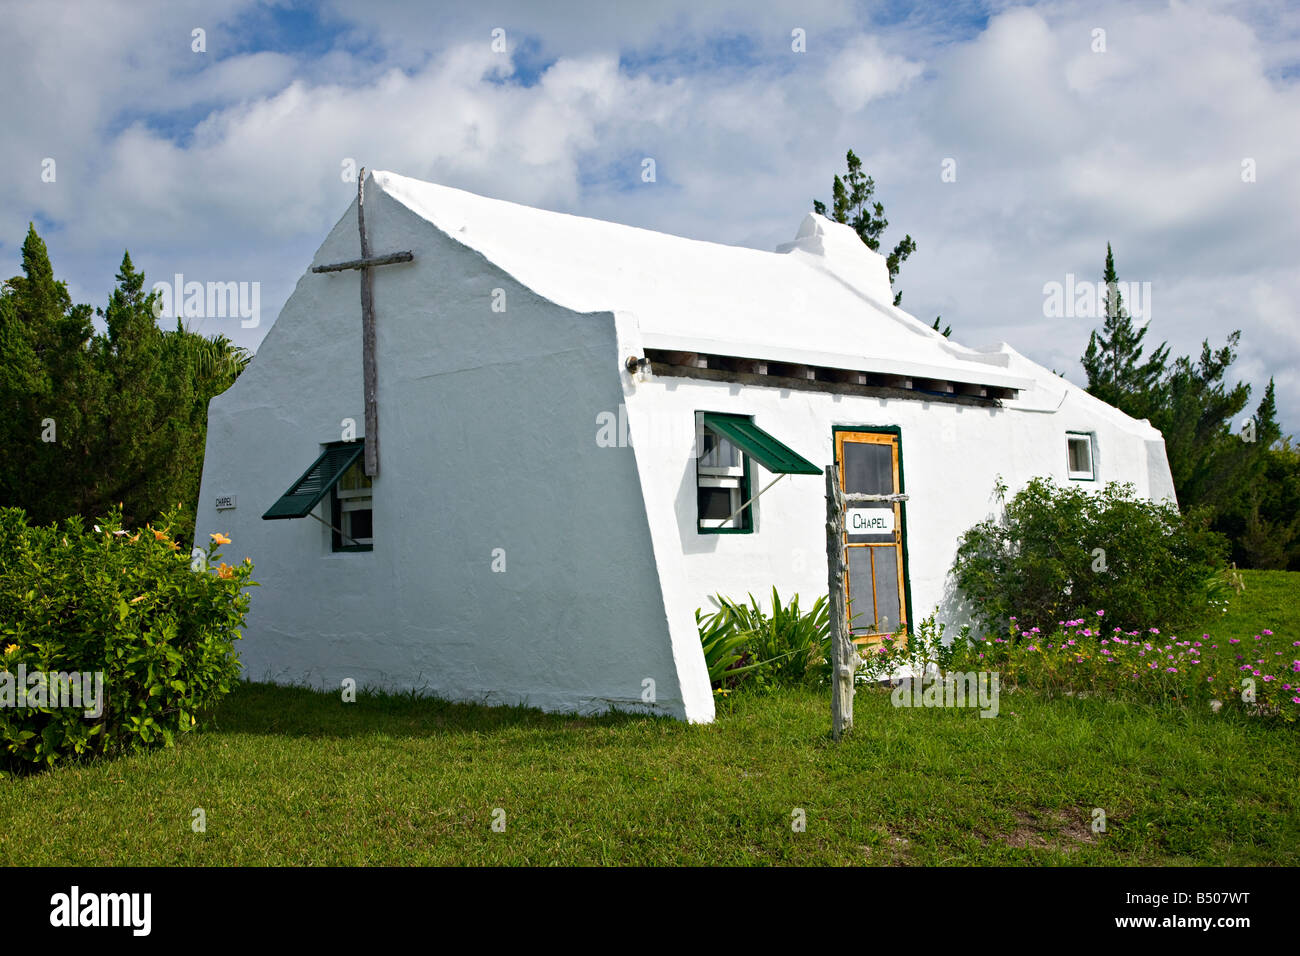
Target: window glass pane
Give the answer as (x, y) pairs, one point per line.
(1080, 455)
(355, 477)
(717, 452)
(715, 503)
(360, 524)
(861, 611)
(868, 468)
(886, 589)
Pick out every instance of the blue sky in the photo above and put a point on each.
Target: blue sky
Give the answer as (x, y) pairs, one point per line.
(225, 164)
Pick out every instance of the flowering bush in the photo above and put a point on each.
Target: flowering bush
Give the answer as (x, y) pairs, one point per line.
(1260, 674)
(1056, 552)
(153, 625)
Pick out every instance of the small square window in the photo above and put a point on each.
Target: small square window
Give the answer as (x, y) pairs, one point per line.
(1079, 456)
(352, 508)
(722, 485)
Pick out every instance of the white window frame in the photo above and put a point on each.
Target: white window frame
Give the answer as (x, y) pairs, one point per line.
(1091, 473)
(717, 471)
(354, 499)
(720, 476)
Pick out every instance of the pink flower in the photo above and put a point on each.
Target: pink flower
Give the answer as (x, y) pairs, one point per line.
(1100, 613)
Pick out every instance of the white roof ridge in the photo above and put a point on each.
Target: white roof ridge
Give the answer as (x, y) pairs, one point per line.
(837, 302)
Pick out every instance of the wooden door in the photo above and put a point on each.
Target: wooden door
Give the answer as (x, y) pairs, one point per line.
(874, 578)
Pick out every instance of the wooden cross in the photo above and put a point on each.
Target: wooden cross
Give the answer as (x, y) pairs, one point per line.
(367, 322)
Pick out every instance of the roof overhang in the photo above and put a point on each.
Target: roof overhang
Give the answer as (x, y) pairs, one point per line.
(974, 373)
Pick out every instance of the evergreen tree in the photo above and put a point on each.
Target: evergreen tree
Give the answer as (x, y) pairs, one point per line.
(1263, 520)
(47, 389)
(853, 203)
(1208, 461)
(1117, 373)
(126, 409)
(135, 466)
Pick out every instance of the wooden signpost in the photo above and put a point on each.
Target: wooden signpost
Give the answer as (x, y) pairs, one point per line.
(844, 653)
(365, 263)
(842, 650)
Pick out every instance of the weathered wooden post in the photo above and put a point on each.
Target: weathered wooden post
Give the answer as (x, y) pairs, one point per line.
(369, 379)
(842, 650)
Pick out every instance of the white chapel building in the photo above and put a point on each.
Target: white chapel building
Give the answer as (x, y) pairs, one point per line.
(586, 430)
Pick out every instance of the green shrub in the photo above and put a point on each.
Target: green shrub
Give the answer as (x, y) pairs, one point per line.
(157, 624)
(1058, 553)
(782, 648)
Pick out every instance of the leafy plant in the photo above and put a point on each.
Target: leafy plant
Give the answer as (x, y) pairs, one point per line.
(153, 625)
(1057, 553)
(1258, 675)
(784, 647)
(724, 645)
(925, 648)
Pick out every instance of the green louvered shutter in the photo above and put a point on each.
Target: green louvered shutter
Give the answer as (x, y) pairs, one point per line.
(305, 493)
(776, 457)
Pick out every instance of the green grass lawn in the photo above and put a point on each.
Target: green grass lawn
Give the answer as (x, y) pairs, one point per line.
(294, 777)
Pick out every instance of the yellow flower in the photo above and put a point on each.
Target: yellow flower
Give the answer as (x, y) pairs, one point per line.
(225, 571)
(220, 538)
(11, 649)
(136, 600)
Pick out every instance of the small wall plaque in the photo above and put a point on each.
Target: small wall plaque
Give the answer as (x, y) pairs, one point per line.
(225, 502)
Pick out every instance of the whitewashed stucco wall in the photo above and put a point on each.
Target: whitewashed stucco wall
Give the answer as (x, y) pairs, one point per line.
(952, 457)
(488, 440)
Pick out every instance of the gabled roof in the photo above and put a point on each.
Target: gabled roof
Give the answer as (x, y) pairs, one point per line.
(823, 299)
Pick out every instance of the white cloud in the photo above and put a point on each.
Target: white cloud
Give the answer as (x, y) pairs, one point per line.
(1058, 149)
(863, 72)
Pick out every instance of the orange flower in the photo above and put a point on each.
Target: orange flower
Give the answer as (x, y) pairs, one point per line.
(219, 538)
(225, 571)
(136, 600)
(159, 535)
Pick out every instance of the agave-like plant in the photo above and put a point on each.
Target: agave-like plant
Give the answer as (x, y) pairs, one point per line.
(724, 644)
(788, 645)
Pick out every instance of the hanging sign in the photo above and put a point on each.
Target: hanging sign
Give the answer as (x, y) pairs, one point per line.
(869, 521)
